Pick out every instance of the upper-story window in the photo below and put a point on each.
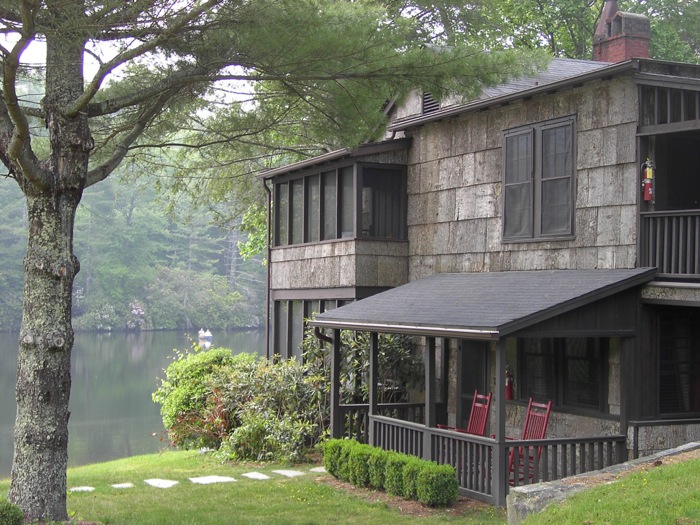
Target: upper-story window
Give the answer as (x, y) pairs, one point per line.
(366, 201)
(539, 180)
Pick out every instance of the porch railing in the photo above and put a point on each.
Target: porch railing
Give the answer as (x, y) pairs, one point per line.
(636, 426)
(471, 456)
(356, 417)
(551, 459)
(670, 241)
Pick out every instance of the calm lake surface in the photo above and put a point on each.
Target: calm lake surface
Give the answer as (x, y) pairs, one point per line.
(114, 375)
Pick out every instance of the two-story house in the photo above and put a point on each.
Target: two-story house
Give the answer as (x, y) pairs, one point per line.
(549, 228)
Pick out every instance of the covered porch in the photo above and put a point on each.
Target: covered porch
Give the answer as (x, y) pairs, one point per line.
(492, 308)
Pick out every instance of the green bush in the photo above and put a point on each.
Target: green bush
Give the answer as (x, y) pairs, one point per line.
(10, 514)
(377, 467)
(246, 406)
(263, 437)
(399, 474)
(332, 450)
(437, 485)
(344, 459)
(359, 465)
(393, 477)
(411, 470)
(188, 385)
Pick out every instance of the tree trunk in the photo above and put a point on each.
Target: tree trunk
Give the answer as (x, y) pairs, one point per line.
(53, 191)
(43, 365)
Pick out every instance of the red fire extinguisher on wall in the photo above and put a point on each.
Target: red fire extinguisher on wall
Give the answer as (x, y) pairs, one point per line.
(509, 384)
(648, 181)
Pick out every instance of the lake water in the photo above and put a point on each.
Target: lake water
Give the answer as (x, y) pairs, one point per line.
(114, 375)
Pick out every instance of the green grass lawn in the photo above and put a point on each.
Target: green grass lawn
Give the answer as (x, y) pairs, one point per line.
(667, 494)
(279, 500)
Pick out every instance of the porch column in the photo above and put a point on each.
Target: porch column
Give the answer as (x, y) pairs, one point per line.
(429, 394)
(373, 374)
(337, 425)
(499, 488)
(629, 403)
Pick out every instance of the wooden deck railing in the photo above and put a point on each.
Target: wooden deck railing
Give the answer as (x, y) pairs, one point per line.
(356, 417)
(636, 426)
(472, 456)
(670, 241)
(552, 459)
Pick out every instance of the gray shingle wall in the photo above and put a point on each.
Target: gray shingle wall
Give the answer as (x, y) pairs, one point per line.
(455, 193)
(339, 264)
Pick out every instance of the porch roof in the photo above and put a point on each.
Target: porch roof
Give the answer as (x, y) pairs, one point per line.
(484, 306)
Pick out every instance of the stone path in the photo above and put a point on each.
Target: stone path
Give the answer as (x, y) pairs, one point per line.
(204, 480)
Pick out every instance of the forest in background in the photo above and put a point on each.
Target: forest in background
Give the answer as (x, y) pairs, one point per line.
(148, 262)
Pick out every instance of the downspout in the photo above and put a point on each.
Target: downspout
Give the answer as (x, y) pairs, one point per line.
(321, 336)
(268, 277)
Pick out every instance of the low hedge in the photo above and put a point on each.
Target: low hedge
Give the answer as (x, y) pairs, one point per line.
(399, 474)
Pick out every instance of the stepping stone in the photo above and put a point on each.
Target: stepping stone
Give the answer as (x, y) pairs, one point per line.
(160, 483)
(206, 480)
(123, 486)
(318, 469)
(256, 475)
(288, 473)
(82, 489)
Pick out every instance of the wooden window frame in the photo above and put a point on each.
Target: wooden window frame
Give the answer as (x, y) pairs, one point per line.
(532, 178)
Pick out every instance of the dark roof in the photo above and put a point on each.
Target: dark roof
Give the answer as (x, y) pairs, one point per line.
(560, 72)
(363, 150)
(480, 305)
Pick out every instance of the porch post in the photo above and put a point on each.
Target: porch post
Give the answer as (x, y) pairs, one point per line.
(373, 368)
(500, 476)
(429, 394)
(337, 429)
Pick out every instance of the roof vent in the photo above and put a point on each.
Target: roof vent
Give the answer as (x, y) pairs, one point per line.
(429, 103)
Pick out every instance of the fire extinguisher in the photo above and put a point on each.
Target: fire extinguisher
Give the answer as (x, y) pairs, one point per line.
(509, 384)
(648, 181)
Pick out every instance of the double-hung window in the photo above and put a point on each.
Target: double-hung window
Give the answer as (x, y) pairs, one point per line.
(539, 180)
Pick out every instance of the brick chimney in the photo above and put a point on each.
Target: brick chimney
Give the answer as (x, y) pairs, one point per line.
(620, 36)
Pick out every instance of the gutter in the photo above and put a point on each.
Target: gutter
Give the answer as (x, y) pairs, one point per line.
(436, 331)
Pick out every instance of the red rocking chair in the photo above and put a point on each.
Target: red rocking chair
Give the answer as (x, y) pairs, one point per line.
(535, 427)
(478, 417)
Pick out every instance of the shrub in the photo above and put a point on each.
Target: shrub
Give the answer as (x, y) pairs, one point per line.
(332, 450)
(376, 463)
(359, 465)
(187, 384)
(411, 470)
(10, 514)
(344, 459)
(249, 407)
(401, 475)
(437, 485)
(393, 480)
(263, 437)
